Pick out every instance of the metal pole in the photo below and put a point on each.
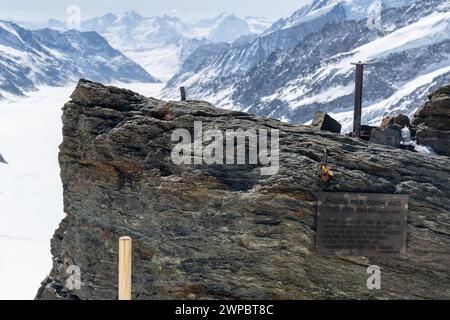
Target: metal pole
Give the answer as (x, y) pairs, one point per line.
(125, 268)
(358, 98)
(183, 93)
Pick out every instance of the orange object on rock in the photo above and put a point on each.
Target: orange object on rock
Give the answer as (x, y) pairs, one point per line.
(326, 174)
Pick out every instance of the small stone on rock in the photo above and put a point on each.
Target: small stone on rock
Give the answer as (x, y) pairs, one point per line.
(323, 121)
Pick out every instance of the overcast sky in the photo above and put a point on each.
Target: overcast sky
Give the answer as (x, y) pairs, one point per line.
(42, 10)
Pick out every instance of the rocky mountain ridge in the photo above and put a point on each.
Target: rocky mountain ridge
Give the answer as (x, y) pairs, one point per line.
(226, 231)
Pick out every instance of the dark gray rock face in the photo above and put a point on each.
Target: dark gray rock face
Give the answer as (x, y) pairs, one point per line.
(390, 136)
(365, 132)
(433, 121)
(323, 121)
(225, 231)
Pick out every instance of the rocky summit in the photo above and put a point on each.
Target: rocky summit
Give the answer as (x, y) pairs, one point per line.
(226, 231)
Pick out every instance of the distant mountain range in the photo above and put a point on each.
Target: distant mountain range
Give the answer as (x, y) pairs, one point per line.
(287, 70)
(302, 63)
(49, 57)
(160, 44)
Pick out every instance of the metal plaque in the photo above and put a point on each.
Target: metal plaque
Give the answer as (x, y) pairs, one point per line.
(361, 224)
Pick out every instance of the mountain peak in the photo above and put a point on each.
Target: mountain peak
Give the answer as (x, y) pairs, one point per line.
(109, 16)
(226, 14)
(132, 15)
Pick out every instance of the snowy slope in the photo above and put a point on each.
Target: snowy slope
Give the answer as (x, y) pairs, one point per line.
(48, 57)
(209, 74)
(429, 30)
(407, 95)
(30, 188)
(418, 56)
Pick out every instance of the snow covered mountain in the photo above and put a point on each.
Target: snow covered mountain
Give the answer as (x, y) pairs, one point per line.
(408, 52)
(354, 10)
(224, 28)
(214, 75)
(49, 57)
(160, 44)
(258, 25)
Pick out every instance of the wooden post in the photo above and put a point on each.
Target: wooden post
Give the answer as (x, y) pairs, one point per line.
(125, 268)
(358, 98)
(183, 93)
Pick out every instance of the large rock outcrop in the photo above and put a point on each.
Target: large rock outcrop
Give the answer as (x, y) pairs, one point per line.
(433, 121)
(226, 231)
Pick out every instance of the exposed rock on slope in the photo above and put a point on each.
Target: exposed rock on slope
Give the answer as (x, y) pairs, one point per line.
(433, 121)
(225, 231)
